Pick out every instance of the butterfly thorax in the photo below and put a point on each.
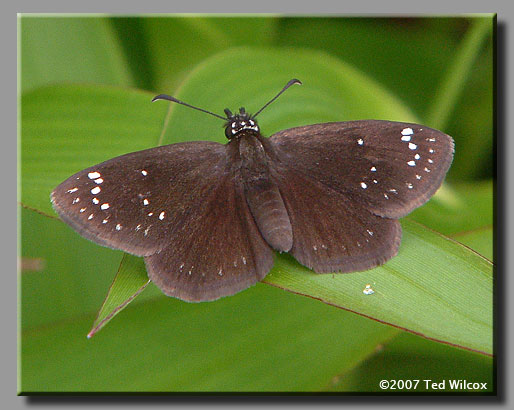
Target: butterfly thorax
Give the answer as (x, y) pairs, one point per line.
(236, 123)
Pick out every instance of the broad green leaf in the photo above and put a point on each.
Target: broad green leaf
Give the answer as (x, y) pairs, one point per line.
(66, 128)
(260, 340)
(435, 287)
(70, 49)
(178, 43)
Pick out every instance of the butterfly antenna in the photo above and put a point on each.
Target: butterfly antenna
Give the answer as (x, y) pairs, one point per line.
(173, 99)
(289, 84)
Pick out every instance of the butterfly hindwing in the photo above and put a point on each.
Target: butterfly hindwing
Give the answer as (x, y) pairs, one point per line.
(388, 167)
(330, 232)
(217, 255)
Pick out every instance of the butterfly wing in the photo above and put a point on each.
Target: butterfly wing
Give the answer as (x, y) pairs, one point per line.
(166, 204)
(214, 256)
(342, 182)
(331, 233)
(390, 168)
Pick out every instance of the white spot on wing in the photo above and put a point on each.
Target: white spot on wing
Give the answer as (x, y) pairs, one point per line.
(363, 185)
(104, 221)
(77, 199)
(99, 181)
(161, 215)
(412, 146)
(105, 206)
(418, 176)
(417, 156)
(430, 161)
(82, 210)
(369, 232)
(409, 185)
(145, 201)
(96, 190)
(95, 201)
(407, 131)
(144, 172)
(406, 138)
(72, 190)
(118, 227)
(90, 217)
(373, 169)
(93, 175)
(411, 163)
(360, 141)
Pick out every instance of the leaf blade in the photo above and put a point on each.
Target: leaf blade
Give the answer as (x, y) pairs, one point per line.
(406, 301)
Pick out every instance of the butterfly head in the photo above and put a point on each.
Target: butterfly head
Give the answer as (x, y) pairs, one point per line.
(239, 122)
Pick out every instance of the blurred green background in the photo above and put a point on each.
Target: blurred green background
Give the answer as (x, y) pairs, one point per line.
(263, 339)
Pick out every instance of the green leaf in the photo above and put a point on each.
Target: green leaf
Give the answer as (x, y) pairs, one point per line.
(435, 287)
(261, 340)
(70, 49)
(458, 207)
(176, 44)
(458, 73)
(125, 287)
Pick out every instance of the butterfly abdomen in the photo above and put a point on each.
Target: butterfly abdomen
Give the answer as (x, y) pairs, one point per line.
(263, 196)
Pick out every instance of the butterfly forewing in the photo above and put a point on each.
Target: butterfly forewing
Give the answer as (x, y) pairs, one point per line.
(133, 202)
(387, 167)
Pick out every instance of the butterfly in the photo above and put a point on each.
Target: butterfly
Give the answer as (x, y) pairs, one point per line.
(207, 217)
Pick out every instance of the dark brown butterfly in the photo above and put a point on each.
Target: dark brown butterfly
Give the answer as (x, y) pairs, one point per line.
(206, 217)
